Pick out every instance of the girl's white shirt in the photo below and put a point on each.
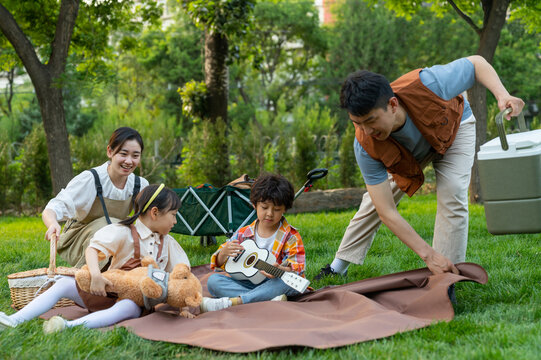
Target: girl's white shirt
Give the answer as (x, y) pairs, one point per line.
(116, 240)
(75, 201)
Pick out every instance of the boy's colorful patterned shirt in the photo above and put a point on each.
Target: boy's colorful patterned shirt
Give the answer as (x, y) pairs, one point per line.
(287, 246)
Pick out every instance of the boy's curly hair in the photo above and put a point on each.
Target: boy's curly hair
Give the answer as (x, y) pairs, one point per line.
(273, 187)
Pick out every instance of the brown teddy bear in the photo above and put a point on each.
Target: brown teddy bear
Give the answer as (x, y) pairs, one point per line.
(183, 288)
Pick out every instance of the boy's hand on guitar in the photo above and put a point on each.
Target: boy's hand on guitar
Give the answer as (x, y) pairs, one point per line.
(284, 268)
(230, 249)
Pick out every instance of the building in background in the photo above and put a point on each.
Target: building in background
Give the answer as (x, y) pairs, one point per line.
(324, 7)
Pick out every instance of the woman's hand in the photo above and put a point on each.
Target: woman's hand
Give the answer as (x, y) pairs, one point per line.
(53, 227)
(98, 284)
(285, 268)
(53, 231)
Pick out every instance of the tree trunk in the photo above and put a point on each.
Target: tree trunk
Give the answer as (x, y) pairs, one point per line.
(48, 93)
(495, 15)
(54, 123)
(216, 75)
(217, 82)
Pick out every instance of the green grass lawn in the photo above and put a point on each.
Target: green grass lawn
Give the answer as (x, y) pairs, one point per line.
(499, 320)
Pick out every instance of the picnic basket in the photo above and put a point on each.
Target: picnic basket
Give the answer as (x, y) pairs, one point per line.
(26, 285)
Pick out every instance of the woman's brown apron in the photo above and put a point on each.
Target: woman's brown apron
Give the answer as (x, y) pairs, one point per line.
(76, 234)
(98, 302)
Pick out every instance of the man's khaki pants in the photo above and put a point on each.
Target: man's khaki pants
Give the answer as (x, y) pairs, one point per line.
(453, 172)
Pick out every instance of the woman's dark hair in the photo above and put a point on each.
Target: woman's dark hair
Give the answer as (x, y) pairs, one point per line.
(275, 188)
(364, 91)
(121, 135)
(166, 200)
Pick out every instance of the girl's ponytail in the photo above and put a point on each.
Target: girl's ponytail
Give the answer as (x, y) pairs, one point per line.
(151, 196)
(131, 219)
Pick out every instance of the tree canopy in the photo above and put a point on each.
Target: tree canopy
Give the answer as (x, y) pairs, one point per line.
(44, 33)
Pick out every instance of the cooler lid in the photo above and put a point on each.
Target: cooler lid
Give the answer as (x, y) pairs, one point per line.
(521, 144)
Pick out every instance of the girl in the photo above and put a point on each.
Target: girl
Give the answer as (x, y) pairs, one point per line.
(97, 197)
(126, 242)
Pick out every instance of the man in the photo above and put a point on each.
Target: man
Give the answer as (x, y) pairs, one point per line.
(400, 128)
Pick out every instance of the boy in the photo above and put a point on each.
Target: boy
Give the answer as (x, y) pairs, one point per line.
(271, 196)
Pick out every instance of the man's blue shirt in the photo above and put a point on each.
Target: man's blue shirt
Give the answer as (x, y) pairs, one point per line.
(446, 81)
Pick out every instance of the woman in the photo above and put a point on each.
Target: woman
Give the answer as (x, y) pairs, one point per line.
(97, 197)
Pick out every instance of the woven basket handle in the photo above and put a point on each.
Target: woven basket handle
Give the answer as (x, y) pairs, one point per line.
(51, 272)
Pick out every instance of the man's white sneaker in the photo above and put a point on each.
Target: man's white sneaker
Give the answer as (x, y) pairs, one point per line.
(6, 322)
(213, 304)
(54, 324)
(282, 297)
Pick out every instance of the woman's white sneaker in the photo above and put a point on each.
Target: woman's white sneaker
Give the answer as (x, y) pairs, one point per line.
(6, 322)
(54, 324)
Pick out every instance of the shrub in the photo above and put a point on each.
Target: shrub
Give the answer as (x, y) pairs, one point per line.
(90, 150)
(247, 146)
(202, 154)
(350, 175)
(28, 118)
(35, 175)
(329, 161)
(194, 99)
(305, 153)
(5, 181)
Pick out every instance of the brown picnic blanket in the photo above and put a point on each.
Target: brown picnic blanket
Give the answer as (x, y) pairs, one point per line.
(329, 317)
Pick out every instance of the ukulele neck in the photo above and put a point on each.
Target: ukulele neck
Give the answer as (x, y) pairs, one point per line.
(268, 268)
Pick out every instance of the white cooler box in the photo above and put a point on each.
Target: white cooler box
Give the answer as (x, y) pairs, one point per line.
(510, 176)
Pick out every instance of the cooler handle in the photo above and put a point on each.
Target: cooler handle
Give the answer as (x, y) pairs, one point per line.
(501, 127)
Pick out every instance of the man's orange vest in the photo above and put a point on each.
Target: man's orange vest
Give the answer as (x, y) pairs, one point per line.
(437, 120)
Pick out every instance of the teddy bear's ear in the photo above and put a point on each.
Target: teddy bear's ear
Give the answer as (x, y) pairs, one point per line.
(180, 271)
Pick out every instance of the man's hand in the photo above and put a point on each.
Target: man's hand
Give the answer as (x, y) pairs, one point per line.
(439, 264)
(516, 104)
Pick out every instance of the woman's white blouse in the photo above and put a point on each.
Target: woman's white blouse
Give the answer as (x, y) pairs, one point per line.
(75, 201)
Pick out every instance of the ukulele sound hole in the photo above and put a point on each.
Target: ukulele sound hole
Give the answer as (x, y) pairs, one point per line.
(251, 260)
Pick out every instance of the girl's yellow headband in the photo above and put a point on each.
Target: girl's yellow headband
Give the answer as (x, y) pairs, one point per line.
(156, 193)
